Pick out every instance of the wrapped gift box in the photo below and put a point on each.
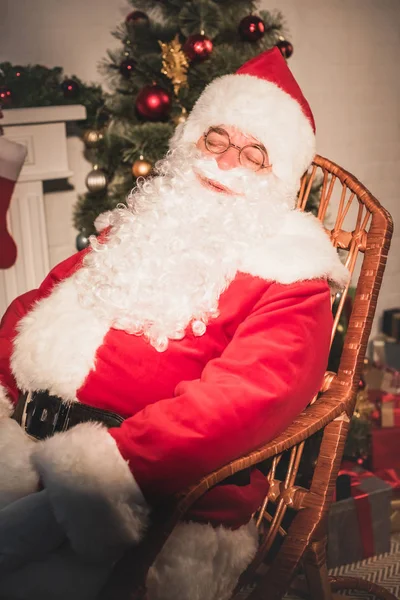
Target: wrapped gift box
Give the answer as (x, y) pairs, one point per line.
(385, 351)
(359, 526)
(390, 410)
(385, 448)
(384, 393)
(392, 477)
(395, 516)
(391, 324)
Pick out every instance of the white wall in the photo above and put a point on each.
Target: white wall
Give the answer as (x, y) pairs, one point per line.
(346, 60)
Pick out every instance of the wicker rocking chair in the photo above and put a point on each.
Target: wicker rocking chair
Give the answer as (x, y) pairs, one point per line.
(293, 518)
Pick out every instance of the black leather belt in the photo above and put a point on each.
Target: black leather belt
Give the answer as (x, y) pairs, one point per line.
(42, 415)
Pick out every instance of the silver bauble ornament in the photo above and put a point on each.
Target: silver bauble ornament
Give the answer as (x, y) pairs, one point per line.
(96, 180)
(81, 241)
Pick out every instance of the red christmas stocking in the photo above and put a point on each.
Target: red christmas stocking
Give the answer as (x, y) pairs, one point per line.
(12, 157)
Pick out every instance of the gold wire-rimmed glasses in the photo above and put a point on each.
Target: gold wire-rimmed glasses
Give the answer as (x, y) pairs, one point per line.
(251, 156)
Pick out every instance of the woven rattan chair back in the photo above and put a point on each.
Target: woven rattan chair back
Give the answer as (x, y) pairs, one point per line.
(361, 229)
(293, 518)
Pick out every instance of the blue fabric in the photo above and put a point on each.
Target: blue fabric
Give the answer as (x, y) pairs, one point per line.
(36, 562)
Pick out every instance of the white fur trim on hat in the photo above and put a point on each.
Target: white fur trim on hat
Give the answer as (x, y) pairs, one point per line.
(6, 406)
(92, 491)
(261, 109)
(200, 562)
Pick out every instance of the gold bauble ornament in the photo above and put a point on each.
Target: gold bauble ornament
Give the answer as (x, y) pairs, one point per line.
(96, 180)
(92, 137)
(178, 119)
(141, 167)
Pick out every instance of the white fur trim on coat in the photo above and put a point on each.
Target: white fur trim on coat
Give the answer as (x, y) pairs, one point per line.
(92, 491)
(300, 250)
(6, 406)
(261, 109)
(57, 358)
(200, 562)
(60, 358)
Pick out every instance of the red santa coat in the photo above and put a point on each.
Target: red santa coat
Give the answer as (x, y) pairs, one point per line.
(200, 404)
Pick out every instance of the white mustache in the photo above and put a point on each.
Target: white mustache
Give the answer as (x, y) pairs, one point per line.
(239, 180)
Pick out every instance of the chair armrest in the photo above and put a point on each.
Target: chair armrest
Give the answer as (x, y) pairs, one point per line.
(330, 405)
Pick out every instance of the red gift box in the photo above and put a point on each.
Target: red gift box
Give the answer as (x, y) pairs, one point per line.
(390, 410)
(359, 526)
(363, 509)
(385, 448)
(392, 477)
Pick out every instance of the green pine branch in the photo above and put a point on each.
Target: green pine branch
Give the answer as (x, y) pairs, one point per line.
(36, 86)
(128, 136)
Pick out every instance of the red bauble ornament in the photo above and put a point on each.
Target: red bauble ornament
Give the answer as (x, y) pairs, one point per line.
(198, 47)
(5, 96)
(251, 28)
(153, 103)
(70, 88)
(137, 17)
(126, 67)
(18, 71)
(286, 48)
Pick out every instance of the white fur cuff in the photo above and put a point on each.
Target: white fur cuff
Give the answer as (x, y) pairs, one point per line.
(201, 562)
(6, 406)
(92, 491)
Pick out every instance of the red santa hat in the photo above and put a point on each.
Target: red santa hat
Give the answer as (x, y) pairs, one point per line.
(261, 99)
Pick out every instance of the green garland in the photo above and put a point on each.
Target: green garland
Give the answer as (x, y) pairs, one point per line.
(36, 85)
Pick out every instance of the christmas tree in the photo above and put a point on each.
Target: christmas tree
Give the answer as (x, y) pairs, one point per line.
(169, 51)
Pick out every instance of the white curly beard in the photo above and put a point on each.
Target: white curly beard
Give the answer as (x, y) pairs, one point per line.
(176, 247)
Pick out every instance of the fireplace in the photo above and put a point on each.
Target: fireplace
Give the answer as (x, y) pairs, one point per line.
(43, 132)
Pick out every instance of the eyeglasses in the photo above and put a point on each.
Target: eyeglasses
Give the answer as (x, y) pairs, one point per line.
(252, 156)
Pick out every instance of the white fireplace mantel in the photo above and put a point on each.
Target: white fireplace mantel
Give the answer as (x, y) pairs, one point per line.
(43, 132)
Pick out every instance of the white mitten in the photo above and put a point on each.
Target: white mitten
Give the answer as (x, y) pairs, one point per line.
(18, 477)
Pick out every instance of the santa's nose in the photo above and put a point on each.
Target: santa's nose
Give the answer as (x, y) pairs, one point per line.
(228, 160)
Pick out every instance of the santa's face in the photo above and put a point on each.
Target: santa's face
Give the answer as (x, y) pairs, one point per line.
(231, 149)
(181, 239)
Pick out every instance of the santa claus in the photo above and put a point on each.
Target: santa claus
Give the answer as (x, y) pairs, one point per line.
(194, 329)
